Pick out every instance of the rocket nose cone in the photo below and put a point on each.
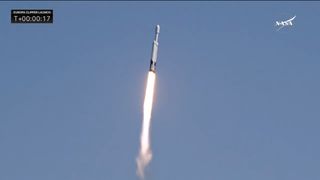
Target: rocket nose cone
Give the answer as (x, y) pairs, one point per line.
(158, 29)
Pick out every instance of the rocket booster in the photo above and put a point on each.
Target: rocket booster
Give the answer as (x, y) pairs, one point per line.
(154, 54)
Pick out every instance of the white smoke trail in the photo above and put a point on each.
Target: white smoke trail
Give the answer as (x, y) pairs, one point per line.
(145, 154)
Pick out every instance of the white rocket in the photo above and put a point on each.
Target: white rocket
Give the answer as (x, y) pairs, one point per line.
(154, 54)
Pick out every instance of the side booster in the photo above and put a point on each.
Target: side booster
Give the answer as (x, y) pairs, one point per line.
(154, 54)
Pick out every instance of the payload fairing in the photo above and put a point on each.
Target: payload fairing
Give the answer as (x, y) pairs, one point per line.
(154, 54)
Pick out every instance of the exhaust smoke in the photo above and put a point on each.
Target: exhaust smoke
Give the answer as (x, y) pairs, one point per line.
(145, 154)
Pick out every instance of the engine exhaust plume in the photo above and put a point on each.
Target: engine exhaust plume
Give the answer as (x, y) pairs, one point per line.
(145, 154)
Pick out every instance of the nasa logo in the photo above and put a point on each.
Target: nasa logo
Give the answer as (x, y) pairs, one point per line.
(282, 24)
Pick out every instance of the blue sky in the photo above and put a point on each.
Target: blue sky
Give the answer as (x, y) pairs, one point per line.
(235, 99)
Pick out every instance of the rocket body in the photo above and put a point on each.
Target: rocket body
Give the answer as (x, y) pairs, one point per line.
(154, 53)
